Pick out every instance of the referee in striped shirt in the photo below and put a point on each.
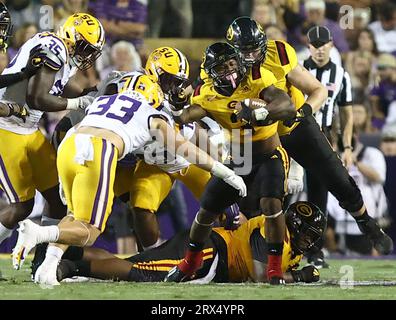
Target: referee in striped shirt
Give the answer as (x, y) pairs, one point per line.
(338, 84)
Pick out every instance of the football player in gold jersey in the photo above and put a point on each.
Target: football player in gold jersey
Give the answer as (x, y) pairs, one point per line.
(303, 139)
(229, 255)
(228, 84)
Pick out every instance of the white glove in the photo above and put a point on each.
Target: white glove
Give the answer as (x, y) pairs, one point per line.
(229, 177)
(79, 103)
(295, 182)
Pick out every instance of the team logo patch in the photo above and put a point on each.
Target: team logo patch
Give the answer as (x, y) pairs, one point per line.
(78, 22)
(157, 56)
(304, 209)
(230, 34)
(232, 104)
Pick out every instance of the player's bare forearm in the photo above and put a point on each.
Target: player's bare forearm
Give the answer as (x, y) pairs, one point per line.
(191, 114)
(346, 117)
(7, 80)
(38, 96)
(175, 143)
(303, 80)
(279, 104)
(77, 86)
(4, 110)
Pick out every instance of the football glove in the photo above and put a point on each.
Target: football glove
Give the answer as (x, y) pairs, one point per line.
(232, 217)
(245, 114)
(34, 63)
(307, 274)
(295, 182)
(178, 98)
(17, 111)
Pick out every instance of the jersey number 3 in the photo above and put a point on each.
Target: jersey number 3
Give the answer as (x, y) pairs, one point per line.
(126, 111)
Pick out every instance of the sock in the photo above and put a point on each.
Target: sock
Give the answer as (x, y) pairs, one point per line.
(4, 232)
(54, 254)
(274, 267)
(155, 245)
(47, 221)
(363, 218)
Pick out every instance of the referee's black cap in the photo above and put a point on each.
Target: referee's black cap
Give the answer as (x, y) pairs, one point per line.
(319, 36)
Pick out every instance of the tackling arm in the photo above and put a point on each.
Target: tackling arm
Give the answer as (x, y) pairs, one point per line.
(303, 80)
(190, 114)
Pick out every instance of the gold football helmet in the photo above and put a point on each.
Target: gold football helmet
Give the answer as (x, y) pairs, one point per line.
(144, 85)
(169, 67)
(84, 36)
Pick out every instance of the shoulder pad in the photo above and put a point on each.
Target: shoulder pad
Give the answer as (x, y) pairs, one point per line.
(55, 51)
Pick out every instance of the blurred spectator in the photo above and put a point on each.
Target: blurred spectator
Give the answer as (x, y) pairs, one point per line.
(264, 13)
(183, 11)
(385, 92)
(24, 11)
(361, 119)
(4, 60)
(315, 12)
(385, 29)
(22, 35)
(388, 142)
(360, 67)
(67, 8)
(122, 19)
(369, 173)
(124, 57)
(274, 32)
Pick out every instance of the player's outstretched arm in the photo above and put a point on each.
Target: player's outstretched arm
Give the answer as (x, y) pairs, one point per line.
(190, 114)
(303, 80)
(176, 144)
(38, 94)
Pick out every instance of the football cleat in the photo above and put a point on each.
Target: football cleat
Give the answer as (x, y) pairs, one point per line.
(380, 240)
(276, 281)
(176, 275)
(46, 274)
(27, 239)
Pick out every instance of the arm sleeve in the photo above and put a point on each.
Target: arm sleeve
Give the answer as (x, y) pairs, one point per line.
(9, 79)
(345, 95)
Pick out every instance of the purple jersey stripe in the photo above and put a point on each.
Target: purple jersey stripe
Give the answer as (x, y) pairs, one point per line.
(106, 199)
(98, 191)
(8, 183)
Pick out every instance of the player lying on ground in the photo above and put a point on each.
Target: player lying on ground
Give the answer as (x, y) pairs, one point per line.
(115, 126)
(229, 255)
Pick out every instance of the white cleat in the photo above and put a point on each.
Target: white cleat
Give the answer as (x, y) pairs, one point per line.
(27, 240)
(46, 274)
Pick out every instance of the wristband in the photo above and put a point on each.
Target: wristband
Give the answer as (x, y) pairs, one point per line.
(260, 113)
(306, 109)
(73, 104)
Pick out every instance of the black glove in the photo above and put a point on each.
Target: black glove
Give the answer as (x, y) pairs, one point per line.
(304, 111)
(307, 274)
(17, 111)
(177, 98)
(245, 114)
(35, 61)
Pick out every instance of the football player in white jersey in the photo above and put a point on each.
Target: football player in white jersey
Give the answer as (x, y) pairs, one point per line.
(27, 160)
(115, 125)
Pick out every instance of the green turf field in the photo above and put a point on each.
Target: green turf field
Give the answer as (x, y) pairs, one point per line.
(373, 279)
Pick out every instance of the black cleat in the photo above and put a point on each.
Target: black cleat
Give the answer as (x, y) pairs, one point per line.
(317, 260)
(176, 275)
(66, 269)
(276, 281)
(39, 256)
(381, 241)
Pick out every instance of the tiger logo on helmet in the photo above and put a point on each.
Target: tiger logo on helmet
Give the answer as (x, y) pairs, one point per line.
(84, 37)
(144, 85)
(169, 67)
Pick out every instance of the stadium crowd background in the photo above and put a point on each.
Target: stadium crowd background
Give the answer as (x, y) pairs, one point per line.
(364, 35)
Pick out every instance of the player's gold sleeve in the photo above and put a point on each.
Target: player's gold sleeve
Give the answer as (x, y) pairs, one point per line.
(281, 58)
